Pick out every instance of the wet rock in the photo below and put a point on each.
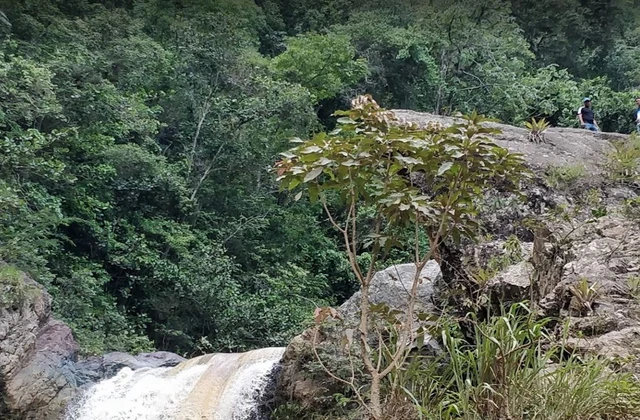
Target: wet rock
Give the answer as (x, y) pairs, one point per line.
(98, 368)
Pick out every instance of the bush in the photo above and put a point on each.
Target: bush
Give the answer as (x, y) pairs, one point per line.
(623, 162)
(565, 176)
(514, 369)
(13, 290)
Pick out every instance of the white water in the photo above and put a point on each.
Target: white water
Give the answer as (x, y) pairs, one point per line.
(212, 387)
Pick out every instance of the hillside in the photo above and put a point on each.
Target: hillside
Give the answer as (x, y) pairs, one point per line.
(44, 371)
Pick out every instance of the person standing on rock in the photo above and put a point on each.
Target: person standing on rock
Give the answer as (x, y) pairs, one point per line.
(637, 114)
(587, 117)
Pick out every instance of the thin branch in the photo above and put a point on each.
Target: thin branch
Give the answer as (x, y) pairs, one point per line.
(207, 171)
(351, 383)
(331, 219)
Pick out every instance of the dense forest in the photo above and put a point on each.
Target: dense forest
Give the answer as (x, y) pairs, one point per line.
(137, 137)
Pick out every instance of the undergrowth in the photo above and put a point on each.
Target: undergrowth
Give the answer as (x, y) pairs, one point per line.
(13, 290)
(565, 176)
(510, 367)
(623, 161)
(514, 369)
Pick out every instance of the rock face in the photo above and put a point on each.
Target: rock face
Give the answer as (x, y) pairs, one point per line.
(606, 257)
(39, 370)
(391, 287)
(36, 357)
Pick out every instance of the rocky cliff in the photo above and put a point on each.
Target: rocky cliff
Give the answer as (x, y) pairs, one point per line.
(39, 368)
(572, 232)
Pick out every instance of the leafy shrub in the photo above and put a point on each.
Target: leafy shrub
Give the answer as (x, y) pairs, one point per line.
(633, 283)
(565, 175)
(623, 161)
(514, 369)
(537, 129)
(584, 295)
(13, 290)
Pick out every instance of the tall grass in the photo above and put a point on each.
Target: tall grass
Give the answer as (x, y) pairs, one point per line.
(514, 370)
(623, 161)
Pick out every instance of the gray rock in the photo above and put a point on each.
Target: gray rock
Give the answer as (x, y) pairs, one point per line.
(392, 287)
(103, 367)
(565, 146)
(623, 344)
(513, 284)
(37, 355)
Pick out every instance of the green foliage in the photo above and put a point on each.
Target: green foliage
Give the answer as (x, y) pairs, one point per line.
(623, 161)
(14, 291)
(633, 283)
(584, 295)
(134, 147)
(368, 156)
(537, 130)
(514, 368)
(565, 176)
(26, 91)
(324, 64)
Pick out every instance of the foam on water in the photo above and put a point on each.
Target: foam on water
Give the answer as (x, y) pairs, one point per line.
(212, 387)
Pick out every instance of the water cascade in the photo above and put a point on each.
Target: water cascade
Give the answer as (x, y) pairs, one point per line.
(211, 387)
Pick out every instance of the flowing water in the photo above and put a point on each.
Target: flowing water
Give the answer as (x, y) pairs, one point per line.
(212, 387)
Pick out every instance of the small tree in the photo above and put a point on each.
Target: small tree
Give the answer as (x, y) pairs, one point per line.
(428, 179)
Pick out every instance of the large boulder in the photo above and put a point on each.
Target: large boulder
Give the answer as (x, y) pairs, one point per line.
(392, 286)
(300, 381)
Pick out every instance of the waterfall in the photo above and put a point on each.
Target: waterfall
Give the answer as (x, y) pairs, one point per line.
(212, 387)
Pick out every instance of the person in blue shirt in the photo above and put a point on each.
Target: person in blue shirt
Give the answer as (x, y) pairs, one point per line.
(637, 112)
(587, 117)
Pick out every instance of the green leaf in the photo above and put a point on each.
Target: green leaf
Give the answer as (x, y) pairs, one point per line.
(444, 168)
(294, 183)
(311, 149)
(315, 172)
(313, 193)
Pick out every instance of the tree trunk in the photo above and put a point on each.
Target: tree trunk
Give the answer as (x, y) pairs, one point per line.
(375, 404)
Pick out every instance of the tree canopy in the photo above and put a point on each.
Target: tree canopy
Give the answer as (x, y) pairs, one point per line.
(137, 137)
